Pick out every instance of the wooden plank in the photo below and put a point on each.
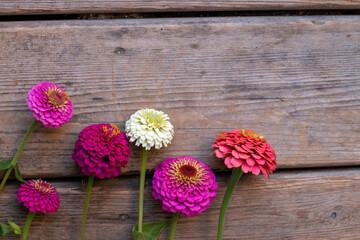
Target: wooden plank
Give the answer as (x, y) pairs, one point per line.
(293, 79)
(289, 205)
(25, 7)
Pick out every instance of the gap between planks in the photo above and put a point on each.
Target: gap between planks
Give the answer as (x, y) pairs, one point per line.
(27, 7)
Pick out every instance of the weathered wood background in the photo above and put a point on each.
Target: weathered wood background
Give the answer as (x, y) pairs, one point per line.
(320, 204)
(294, 79)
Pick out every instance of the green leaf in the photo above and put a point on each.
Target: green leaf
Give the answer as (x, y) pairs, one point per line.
(15, 227)
(5, 164)
(5, 229)
(151, 231)
(17, 174)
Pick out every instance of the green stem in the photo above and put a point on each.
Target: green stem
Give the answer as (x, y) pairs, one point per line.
(16, 157)
(87, 200)
(142, 184)
(235, 176)
(7, 174)
(27, 224)
(173, 225)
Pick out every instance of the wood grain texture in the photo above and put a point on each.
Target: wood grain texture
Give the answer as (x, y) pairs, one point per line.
(289, 205)
(294, 80)
(25, 7)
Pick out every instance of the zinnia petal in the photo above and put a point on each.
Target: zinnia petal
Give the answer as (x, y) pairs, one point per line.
(236, 162)
(228, 162)
(245, 168)
(250, 161)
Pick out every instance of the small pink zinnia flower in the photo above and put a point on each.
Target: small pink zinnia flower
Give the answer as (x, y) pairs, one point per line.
(50, 104)
(39, 196)
(101, 150)
(247, 149)
(184, 185)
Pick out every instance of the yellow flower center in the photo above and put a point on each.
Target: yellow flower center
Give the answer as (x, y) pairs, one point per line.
(153, 119)
(110, 132)
(187, 171)
(41, 186)
(57, 98)
(253, 134)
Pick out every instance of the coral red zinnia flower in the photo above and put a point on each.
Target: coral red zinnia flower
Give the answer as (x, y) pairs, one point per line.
(50, 104)
(247, 149)
(184, 185)
(101, 150)
(39, 196)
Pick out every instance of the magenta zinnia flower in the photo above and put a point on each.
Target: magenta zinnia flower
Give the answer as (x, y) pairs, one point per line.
(50, 104)
(39, 196)
(101, 150)
(184, 185)
(247, 149)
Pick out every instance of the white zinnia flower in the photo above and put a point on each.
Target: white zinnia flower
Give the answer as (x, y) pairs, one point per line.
(149, 128)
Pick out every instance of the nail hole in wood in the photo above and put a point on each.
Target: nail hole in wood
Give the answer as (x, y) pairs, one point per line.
(119, 51)
(124, 217)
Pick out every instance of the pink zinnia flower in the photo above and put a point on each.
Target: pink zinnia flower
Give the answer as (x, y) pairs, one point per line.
(184, 185)
(247, 149)
(101, 150)
(39, 196)
(50, 104)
